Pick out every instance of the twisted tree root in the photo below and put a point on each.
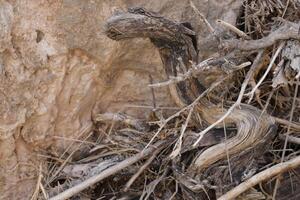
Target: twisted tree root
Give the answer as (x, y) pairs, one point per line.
(174, 41)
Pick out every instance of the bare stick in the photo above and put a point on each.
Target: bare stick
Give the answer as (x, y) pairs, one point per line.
(202, 133)
(266, 72)
(262, 176)
(287, 123)
(237, 103)
(286, 139)
(44, 191)
(289, 138)
(171, 80)
(185, 108)
(138, 173)
(194, 71)
(178, 144)
(226, 147)
(106, 173)
(210, 28)
(291, 118)
(181, 77)
(232, 28)
(287, 31)
(37, 189)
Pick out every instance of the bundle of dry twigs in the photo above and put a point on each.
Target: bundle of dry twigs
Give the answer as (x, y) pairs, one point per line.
(236, 137)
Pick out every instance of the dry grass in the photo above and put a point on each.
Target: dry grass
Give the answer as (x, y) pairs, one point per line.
(150, 158)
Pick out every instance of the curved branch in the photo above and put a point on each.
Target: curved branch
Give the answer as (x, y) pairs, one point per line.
(174, 41)
(288, 31)
(262, 176)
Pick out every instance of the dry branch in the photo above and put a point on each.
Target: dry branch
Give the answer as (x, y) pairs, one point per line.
(285, 122)
(288, 31)
(250, 124)
(173, 41)
(262, 176)
(266, 72)
(233, 29)
(254, 127)
(142, 168)
(290, 138)
(196, 70)
(210, 28)
(106, 173)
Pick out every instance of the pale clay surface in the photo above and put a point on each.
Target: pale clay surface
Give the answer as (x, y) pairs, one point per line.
(57, 70)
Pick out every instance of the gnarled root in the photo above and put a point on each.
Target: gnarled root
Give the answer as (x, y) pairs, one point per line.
(175, 41)
(253, 128)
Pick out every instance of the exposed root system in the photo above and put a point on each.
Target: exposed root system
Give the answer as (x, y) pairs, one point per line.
(232, 138)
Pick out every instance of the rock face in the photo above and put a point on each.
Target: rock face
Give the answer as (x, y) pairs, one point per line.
(57, 69)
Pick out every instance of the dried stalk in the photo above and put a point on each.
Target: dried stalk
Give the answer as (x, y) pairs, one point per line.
(142, 168)
(288, 31)
(233, 29)
(262, 176)
(289, 138)
(266, 72)
(174, 41)
(106, 173)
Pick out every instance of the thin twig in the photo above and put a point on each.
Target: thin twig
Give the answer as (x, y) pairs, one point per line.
(210, 28)
(239, 100)
(227, 152)
(185, 108)
(176, 190)
(233, 29)
(37, 188)
(266, 72)
(177, 147)
(286, 139)
(106, 173)
(289, 138)
(152, 185)
(152, 92)
(142, 168)
(262, 176)
(193, 72)
(44, 191)
(287, 123)
(287, 5)
(268, 101)
(285, 32)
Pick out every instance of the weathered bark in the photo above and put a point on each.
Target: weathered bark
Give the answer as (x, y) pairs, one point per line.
(58, 69)
(175, 41)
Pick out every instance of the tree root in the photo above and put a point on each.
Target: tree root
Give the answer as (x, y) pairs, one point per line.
(174, 41)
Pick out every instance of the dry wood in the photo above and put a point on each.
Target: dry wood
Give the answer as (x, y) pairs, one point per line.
(142, 168)
(252, 127)
(290, 138)
(177, 49)
(210, 28)
(266, 72)
(232, 28)
(288, 31)
(174, 41)
(262, 176)
(106, 173)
